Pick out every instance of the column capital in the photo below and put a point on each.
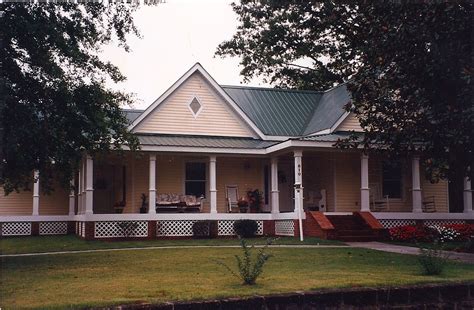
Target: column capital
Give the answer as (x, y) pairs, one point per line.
(153, 157)
(213, 158)
(298, 153)
(364, 155)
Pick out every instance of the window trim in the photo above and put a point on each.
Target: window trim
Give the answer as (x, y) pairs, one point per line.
(194, 96)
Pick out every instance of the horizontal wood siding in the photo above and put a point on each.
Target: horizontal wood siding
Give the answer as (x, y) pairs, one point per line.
(246, 173)
(318, 175)
(439, 191)
(55, 203)
(347, 175)
(173, 116)
(16, 203)
(350, 123)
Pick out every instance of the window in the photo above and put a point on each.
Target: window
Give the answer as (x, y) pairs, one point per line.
(195, 106)
(392, 179)
(195, 182)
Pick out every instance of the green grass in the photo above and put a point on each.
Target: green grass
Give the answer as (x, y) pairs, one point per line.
(41, 244)
(158, 275)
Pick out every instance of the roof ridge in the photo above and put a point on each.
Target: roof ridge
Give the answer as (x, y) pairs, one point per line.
(272, 89)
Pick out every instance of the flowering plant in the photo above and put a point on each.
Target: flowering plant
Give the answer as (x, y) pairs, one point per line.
(408, 233)
(444, 234)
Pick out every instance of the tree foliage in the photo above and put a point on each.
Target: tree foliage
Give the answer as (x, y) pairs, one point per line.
(408, 66)
(55, 104)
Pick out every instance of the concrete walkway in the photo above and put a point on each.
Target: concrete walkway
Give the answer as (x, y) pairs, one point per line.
(295, 246)
(392, 248)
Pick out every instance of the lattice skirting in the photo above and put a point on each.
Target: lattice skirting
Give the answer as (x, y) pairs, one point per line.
(400, 222)
(120, 229)
(174, 228)
(285, 228)
(16, 229)
(396, 223)
(442, 222)
(53, 228)
(226, 228)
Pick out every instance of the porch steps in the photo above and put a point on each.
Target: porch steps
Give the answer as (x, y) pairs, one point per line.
(352, 228)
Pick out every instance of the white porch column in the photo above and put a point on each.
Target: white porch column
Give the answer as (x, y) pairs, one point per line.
(467, 196)
(416, 189)
(36, 193)
(364, 183)
(299, 189)
(212, 184)
(72, 198)
(89, 185)
(79, 194)
(275, 192)
(152, 188)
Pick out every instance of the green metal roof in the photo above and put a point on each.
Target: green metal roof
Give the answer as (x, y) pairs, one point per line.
(276, 112)
(132, 115)
(203, 141)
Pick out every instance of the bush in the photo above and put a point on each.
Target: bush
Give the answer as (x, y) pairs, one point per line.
(202, 229)
(465, 230)
(245, 228)
(249, 271)
(409, 233)
(432, 260)
(444, 234)
(468, 246)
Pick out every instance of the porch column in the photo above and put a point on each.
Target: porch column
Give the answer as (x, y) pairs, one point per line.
(275, 192)
(212, 184)
(416, 189)
(152, 189)
(89, 185)
(72, 197)
(467, 196)
(36, 194)
(364, 183)
(79, 189)
(299, 189)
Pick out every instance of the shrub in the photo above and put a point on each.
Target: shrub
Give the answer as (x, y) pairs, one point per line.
(444, 234)
(249, 271)
(202, 229)
(409, 233)
(432, 260)
(468, 246)
(245, 228)
(465, 230)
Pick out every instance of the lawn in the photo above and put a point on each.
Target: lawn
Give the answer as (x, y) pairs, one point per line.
(41, 244)
(157, 275)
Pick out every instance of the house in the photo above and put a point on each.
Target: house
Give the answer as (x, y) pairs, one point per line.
(216, 142)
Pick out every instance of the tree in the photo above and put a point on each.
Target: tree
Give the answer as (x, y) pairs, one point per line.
(408, 67)
(54, 103)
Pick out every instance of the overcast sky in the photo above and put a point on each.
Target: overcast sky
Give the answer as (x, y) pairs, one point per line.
(176, 35)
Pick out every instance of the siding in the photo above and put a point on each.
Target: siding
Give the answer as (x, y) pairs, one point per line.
(55, 203)
(350, 123)
(173, 116)
(16, 203)
(317, 175)
(347, 174)
(439, 191)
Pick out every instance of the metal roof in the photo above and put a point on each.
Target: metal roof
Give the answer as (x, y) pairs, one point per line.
(329, 109)
(204, 141)
(132, 115)
(332, 137)
(276, 112)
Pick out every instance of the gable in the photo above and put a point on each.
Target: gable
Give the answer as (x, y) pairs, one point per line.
(350, 123)
(194, 108)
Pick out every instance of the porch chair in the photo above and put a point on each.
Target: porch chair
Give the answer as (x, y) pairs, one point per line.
(378, 202)
(232, 197)
(428, 204)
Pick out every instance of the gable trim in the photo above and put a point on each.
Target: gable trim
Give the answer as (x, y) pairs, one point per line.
(339, 121)
(197, 68)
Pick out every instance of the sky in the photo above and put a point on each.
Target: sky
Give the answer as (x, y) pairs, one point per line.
(176, 35)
